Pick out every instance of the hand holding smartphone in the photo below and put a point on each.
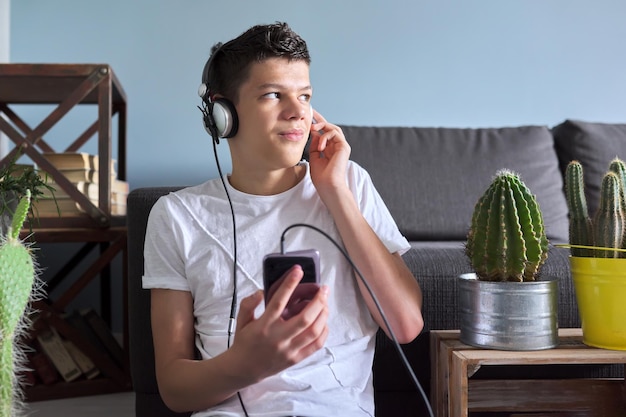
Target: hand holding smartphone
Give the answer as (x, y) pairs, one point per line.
(276, 265)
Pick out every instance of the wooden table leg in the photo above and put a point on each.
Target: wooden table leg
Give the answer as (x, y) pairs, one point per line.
(436, 377)
(458, 386)
(443, 368)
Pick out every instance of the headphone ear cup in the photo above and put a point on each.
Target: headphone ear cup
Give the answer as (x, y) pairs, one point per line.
(225, 118)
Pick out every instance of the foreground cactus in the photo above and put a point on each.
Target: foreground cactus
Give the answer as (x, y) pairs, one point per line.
(507, 240)
(18, 275)
(608, 227)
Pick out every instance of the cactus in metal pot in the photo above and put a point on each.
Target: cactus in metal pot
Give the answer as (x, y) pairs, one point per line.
(507, 240)
(18, 283)
(580, 226)
(608, 221)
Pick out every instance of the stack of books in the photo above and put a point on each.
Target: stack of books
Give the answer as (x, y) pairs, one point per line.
(82, 170)
(53, 358)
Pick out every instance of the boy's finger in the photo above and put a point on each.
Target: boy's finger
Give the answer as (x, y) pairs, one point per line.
(247, 307)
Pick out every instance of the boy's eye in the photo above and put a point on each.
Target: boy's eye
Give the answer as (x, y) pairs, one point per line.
(272, 95)
(305, 97)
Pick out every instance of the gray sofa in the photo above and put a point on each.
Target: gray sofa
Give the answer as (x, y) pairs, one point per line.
(430, 179)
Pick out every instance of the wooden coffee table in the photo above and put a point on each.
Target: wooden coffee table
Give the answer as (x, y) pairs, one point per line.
(454, 394)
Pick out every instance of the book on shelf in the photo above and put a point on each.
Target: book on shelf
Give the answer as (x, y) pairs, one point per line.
(89, 188)
(99, 336)
(75, 161)
(86, 365)
(43, 367)
(68, 207)
(77, 321)
(78, 175)
(52, 345)
(104, 333)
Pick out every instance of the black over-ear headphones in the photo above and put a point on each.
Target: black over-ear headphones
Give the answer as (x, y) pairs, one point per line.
(219, 115)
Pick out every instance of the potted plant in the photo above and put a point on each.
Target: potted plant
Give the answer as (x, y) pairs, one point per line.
(18, 285)
(598, 255)
(15, 180)
(506, 304)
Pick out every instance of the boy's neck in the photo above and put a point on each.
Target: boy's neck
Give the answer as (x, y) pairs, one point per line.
(266, 183)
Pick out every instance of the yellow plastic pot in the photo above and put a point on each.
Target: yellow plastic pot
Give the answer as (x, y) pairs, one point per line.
(600, 285)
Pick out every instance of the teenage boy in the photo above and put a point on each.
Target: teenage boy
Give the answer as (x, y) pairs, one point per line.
(318, 362)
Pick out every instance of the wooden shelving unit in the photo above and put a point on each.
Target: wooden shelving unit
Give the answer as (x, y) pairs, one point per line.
(67, 86)
(455, 394)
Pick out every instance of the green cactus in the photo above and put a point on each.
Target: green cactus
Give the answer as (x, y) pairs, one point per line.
(619, 167)
(18, 275)
(608, 231)
(507, 240)
(580, 225)
(608, 227)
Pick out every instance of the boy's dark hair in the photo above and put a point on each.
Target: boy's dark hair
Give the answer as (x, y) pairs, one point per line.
(229, 64)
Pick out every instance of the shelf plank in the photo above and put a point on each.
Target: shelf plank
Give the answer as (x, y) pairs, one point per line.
(50, 83)
(73, 389)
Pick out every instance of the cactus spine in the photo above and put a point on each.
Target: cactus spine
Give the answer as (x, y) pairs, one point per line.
(507, 240)
(580, 230)
(18, 274)
(608, 227)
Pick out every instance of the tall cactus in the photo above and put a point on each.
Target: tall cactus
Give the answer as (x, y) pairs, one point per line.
(619, 167)
(18, 274)
(608, 221)
(607, 229)
(580, 227)
(507, 240)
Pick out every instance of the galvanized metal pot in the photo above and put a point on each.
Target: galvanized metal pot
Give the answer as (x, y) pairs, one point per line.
(508, 315)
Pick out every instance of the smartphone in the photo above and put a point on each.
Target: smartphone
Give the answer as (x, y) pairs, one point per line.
(275, 266)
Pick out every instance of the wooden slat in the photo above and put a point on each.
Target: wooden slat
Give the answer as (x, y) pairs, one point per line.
(73, 389)
(570, 354)
(547, 395)
(49, 83)
(78, 234)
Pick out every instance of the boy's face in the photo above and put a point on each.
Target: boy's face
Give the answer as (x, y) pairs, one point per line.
(274, 115)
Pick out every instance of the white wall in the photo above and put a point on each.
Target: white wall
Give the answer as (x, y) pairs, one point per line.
(423, 62)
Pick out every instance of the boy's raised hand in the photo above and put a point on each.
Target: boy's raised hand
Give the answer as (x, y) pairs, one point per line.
(328, 155)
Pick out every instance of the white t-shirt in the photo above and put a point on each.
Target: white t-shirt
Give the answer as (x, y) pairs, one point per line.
(189, 247)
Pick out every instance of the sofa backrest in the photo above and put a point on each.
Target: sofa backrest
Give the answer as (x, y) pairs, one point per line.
(594, 145)
(431, 178)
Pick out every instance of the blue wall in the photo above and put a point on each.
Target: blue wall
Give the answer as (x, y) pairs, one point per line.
(419, 63)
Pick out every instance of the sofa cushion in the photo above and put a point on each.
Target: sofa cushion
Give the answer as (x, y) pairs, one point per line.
(431, 178)
(594, 145)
